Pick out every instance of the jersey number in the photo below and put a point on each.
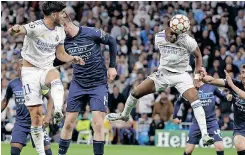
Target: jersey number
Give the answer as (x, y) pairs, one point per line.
(27, 89)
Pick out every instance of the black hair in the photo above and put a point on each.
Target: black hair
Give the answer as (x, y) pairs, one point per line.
(50, 7)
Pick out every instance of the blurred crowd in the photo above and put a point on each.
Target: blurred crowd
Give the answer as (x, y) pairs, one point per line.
(218, 27)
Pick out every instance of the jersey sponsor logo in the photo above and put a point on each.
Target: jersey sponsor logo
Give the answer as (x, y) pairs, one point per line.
(84, 51)
(44, 46)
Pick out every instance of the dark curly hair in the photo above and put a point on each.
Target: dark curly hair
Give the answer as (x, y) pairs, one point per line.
(50, 7)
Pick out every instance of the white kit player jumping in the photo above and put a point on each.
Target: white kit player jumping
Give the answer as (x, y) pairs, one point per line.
(175, 48)
(43, 39)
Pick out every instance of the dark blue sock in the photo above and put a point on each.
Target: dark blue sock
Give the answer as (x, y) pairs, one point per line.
(63, 146)
(48, 152)
(98, 147)
(241, 152)
(220, 152)
(187, 154)
(15, 151)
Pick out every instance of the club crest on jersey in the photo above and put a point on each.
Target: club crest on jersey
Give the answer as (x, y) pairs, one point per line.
(57, 38)
(31, 25)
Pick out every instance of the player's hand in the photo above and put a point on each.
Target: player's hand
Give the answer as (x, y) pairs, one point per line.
(78, 60)
(228, 78)
(15, 29)
(112, 73)
(176, 121)
(46, 121)
(229, 97)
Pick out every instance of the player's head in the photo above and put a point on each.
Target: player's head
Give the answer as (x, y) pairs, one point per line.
(243, 74)
(55, 10)
(170, 35)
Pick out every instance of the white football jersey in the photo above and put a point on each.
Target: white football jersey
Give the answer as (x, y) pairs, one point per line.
(175, 56)
(40, 43)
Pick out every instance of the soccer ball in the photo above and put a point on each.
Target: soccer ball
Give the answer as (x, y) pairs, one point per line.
(179, 24)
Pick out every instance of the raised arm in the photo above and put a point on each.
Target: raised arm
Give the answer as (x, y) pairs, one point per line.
(210, 80)
(17, 30)
(230, 82)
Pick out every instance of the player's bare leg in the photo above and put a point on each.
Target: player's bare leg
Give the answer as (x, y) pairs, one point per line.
(16, 148)
(66, 132)
(192, 96)
(53, 81)
(219, 147)
(99, 136)
(189, 149)
(36, 128)
(145, 88)
(239, 142)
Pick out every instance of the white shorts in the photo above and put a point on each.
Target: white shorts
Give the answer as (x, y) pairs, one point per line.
(164, 78)
(33, 81)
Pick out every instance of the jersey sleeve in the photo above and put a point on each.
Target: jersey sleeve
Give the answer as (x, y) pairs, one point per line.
(219, 93)
(99, 35)
(159, 38)
(9, 92)
(191, 44)
(31, 29)
(63, 36)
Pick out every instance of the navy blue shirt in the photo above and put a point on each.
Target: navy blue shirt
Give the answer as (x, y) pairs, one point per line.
(86, 44)
(207, 95)
(238, 105)
(15, 90)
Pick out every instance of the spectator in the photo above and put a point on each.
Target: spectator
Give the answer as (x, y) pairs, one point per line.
(114, 99)
(142, 129)
(145, 104)
(156, 123)
(123, 131)
(141, 18)
(164, 108)
(228, 124)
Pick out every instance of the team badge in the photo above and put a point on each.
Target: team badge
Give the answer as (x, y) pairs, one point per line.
(31, 25)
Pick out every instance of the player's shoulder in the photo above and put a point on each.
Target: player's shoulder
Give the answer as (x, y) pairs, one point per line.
(160, 34)
(15, 81)
(160, 37)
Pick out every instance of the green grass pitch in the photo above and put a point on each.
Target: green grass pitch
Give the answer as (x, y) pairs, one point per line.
(76, 149)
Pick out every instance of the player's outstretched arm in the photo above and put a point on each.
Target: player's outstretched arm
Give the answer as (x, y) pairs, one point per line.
(17, 30)
(239, 92)
(63, 56)
(210, 80)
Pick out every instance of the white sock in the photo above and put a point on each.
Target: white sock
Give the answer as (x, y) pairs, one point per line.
(200, 116)
(130, 104)
(38, 139)
(57, 93)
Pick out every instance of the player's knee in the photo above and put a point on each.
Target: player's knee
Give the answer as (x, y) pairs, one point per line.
(69, 125)
(188, 151)
(15, 151)
(239, 143)
(219, 148)
(97, 126)
(136, 94)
